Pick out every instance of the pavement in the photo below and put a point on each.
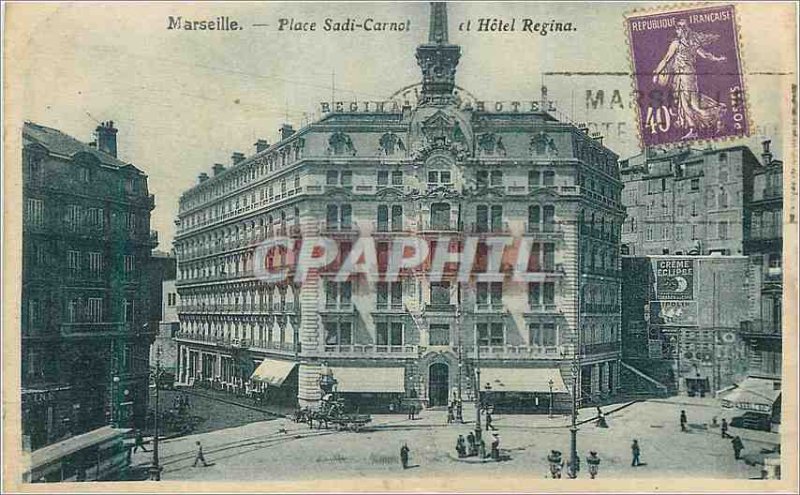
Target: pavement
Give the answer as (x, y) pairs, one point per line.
(279, 449)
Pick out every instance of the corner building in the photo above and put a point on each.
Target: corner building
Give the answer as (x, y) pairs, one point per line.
(442, 166)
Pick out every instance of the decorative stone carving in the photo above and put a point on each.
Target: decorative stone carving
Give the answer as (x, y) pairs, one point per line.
(390, 143)
(490, 144)
(441, 131)
(543, 144)
(341, 144)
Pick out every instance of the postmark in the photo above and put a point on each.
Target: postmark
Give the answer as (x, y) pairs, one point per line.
(688, 77)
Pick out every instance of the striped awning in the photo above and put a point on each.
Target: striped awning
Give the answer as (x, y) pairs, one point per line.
(273, 371)
(758, 394)
(364, 380)
(521, 380)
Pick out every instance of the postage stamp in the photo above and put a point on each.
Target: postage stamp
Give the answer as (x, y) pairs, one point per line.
(688, 75)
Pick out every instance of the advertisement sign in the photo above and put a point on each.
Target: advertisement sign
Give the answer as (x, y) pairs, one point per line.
(675, 279)
(673, 313)
(654, 349)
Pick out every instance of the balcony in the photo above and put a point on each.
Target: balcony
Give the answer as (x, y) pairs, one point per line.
(340, 308)
(542, 309)
(490, 228)
(516, 352)
(544, 231)
(395, 308)
(437, 227)
(268, 345)
(489, 308)
(440, 308)
(371, 350)
(760, 328)
(93, 330)
(603, 348)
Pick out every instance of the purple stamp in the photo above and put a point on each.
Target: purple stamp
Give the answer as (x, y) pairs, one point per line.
(688, 75)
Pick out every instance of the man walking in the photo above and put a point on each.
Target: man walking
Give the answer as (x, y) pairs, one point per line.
(199, 456)
(489, 421)
(594, 463)
(683, 421)
(459, 412)
(724, 428)
(635, 452)
(738, 446)
(139, 442)
(404, 450)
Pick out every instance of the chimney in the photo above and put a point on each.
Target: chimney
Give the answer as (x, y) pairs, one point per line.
(107, 138)
(202, 178)
(218, 169)
(286, 131)
(261, 145)
(766, 154)
(237, 157)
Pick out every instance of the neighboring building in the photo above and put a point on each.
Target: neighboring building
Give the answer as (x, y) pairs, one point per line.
(445, 167)
(168, 329)
(682, 318)
(685, 201)
(161, 274)
(763, 242)
(86, 243)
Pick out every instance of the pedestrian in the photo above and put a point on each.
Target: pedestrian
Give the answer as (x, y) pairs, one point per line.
(635, 452)
(738, 446)
(594, 463)
(450, 413)
(410, 411)
(489, 421)
(683, 420)
(495, 447)
(459, 412)
(601, 418)
(556, 464)
(482, 449)
(139, 442)
(714, 422)
(199, 456)
(461, 447)
(404, 450)
(473, 448)
(724, 428)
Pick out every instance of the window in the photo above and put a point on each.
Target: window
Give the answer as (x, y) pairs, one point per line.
(438, 178)
(171, 299)
(347, 178)
(389, 333)
(695, 185)
(440, 293)
(440, 216)
(496, 178)
(383, 218)
(34, 212)
(389, 294)
(649, 233)
(679, 232)
(489, 295)
(383, 178)
(94, 309)
(96, 263)
(650, 210)
(338, 295)
(130, 222)
(482, 178)
(542, 334)
(490, 334)
(397, 218)
(665, 232)
(130, 262)
(541, 293)
(332, 178)
(694, 232)
(338, 333)
(439, 334)
(73, 311)
(548, 178)
(74, 260)
(755, 225)
(534, 178)
(127, 311)
(339, 216)
(723, 198)
(397, 178)
(723, 230)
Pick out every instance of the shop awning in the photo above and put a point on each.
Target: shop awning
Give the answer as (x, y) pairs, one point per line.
(522, 380)
(273, 371)
(359, 380)
(757, 394)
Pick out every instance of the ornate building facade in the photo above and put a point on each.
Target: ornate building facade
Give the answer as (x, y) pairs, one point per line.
(444, 170)
(86, 249)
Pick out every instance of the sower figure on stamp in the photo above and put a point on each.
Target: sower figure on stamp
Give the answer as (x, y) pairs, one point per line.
(678, 69)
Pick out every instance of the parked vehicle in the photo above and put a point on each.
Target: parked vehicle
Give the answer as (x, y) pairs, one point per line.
(752, 421)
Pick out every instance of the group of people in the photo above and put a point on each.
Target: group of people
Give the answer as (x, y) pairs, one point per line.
(476, 447)
(455, 412)
(556, 462)
(736, 441)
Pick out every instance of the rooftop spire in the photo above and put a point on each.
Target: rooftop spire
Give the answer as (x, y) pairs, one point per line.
(438, 28)
(438, 60)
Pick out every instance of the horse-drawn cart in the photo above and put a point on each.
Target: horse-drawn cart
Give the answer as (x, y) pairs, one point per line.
(331, 412)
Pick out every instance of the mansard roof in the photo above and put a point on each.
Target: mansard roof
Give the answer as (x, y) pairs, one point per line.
(63, 144)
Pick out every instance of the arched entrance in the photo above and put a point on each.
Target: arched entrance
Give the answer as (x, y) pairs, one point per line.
(438, 384)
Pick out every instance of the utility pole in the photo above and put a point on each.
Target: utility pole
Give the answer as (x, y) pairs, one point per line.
(155, 468)
(574, 461)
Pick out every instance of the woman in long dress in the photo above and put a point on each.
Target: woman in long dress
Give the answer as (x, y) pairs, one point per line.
(678, 70)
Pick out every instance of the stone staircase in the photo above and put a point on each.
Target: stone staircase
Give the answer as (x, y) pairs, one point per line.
(636, 383)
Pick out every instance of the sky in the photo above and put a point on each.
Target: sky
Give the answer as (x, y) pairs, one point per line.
(184, 100)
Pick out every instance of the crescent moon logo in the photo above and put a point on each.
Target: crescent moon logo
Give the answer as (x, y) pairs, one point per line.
(682, 284)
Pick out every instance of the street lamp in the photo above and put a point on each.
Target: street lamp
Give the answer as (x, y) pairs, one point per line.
(550, 406)
(114, 402)
(155, 468)
(574, 461)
